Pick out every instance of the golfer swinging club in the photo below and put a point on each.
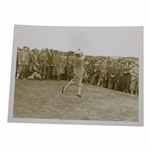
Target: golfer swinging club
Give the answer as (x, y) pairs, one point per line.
(78, 72)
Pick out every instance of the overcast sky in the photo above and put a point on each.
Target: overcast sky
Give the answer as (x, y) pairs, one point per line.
(102, 41)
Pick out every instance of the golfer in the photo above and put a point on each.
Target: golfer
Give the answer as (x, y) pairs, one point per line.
(78, 72)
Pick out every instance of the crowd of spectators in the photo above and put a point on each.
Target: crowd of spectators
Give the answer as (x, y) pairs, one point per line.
(49, 64)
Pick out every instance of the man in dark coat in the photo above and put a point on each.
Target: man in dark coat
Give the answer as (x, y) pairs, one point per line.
(126, 77)
(103, 74)
(34, 57)
(111, 74)
(56, 65)
(43, 63)
(49, 64)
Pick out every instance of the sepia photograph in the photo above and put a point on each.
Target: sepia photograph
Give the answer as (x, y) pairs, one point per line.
(77, 75)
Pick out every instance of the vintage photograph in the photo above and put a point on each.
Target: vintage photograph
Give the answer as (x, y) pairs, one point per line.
(77, 75)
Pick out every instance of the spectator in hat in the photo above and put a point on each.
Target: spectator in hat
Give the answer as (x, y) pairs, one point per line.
(91, 70)
(95, 75)
(49, 64)
(134, 78)
(111, 74)
(103, 74)
(66, 60)
(43, 63)
(71, 57)
(86, 70)
(78, 72)
(62, 65)
(35, 57)
(56, 65)
(30, 54)
(23, 60)
(126, 76)
(118, 77)
(27, 62)
(18, 50)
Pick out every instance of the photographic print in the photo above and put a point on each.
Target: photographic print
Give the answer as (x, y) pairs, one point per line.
(77, 75)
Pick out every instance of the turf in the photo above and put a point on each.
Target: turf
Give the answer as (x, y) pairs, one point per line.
(43, 99)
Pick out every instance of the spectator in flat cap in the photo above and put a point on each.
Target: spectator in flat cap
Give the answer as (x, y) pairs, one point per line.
(35, 57)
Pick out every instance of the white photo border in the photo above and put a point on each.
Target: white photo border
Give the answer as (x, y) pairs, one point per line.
(74, 122)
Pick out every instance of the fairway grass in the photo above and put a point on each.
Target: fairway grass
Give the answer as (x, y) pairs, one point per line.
(43, 99)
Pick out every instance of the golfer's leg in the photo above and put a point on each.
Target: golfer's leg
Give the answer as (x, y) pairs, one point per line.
(69, 83)
(79, 86)
(74, 81)
(79, 90)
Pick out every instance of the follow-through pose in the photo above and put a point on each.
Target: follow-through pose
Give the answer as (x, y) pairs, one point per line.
(78, 72)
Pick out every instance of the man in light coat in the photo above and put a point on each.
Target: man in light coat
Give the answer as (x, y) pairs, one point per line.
(134, 78)
(23, 61)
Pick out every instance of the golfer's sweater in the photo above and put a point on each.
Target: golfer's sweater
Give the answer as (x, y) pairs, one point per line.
(78, 63)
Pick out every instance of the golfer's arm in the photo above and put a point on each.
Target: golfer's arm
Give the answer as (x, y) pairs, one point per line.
(83, 56)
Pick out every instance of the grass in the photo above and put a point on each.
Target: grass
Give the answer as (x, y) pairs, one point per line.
(43, 99)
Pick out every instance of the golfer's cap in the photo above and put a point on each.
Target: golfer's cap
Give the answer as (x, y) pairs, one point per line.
(77, 51)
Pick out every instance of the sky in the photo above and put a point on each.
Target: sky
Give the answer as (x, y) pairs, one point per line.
(96, 41)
